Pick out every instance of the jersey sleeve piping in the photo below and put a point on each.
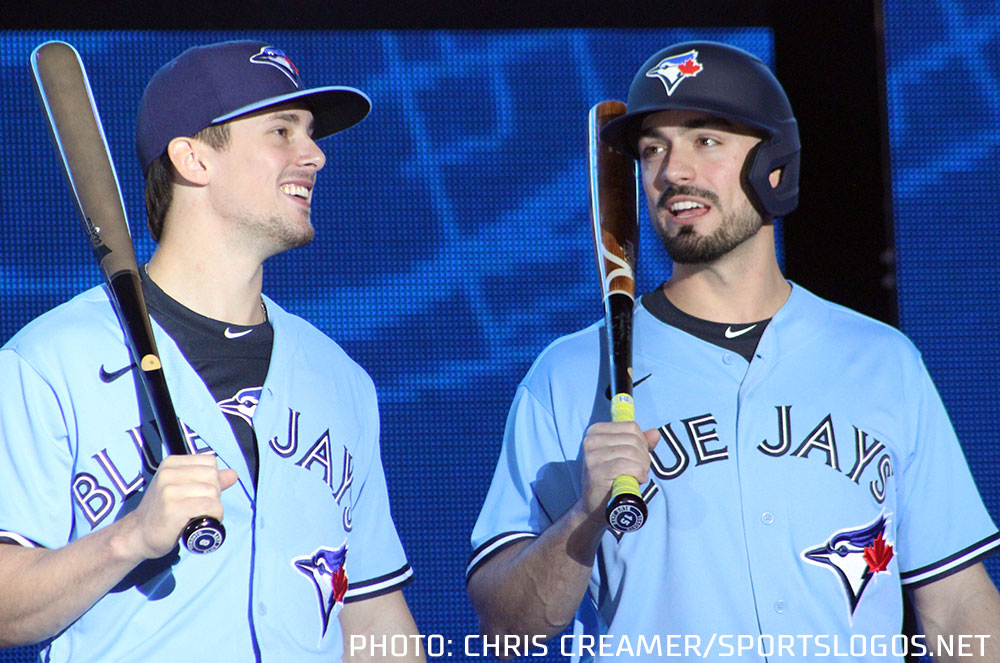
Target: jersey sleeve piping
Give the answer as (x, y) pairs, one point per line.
(16, 539)
(383, 584)
(951, 564)
(485, 552)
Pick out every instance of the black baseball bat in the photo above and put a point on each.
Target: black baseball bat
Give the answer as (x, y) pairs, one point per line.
(614, 207)
(78, 136)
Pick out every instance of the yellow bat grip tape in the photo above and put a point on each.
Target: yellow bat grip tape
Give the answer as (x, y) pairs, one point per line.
(622, 408)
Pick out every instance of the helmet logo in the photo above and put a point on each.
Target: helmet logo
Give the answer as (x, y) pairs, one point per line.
(674, 69)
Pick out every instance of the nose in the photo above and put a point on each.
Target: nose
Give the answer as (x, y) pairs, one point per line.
(312, 155)
(677, 167)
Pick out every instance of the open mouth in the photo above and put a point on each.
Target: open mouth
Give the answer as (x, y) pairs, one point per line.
(297, 191)
(684, 209)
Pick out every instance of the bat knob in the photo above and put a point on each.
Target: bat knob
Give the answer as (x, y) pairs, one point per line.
(626, 511)
(203, 535)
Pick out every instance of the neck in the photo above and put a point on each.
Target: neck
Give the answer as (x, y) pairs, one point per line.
(743, 286)
(210, 283)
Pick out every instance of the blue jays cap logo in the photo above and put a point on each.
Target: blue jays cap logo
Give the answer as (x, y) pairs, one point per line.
(855, 555)
(277, 58)
(674, 69)
(325, 568)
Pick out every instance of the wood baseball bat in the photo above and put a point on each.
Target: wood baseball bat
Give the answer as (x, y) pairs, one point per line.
(78, 136)
(614, 205)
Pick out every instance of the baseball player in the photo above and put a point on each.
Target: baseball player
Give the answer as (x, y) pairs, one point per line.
(799, 468)
(282, 425)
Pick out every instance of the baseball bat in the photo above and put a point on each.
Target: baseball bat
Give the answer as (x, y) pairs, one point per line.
(614, 204)
(82, 150)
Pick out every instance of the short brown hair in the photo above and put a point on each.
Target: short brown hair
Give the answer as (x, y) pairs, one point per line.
(160, 178)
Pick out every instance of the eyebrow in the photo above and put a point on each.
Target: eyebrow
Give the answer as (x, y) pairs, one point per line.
(292, 118)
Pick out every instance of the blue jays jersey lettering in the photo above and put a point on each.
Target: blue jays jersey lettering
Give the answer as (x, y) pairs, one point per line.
(76, 451)
(796, 493)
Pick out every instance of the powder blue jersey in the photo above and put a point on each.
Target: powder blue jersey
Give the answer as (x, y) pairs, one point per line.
(793, 494)
(75, 453)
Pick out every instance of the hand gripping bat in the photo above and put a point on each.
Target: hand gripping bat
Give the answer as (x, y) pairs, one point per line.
(614, 206)
(77, 134)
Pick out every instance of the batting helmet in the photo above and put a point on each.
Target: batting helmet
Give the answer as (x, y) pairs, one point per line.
(726, 82)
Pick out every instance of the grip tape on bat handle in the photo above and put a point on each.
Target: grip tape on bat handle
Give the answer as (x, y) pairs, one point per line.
(626, 510)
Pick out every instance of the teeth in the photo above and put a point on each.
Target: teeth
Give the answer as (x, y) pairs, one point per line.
(685, 205)
(296, 190)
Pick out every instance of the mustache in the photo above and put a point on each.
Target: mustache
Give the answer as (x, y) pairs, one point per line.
(686, 190)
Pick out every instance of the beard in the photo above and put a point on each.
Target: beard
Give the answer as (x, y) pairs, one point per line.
(688, 247)
(275, 234)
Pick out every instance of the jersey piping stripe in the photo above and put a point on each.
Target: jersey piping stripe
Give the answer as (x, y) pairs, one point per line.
(951, 564)
(367, 589)
(14, 537)
(486, 551)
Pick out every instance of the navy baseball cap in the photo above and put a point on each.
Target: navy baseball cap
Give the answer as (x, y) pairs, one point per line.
(206, 85)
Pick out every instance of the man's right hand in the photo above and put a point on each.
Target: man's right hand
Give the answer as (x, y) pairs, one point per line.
(184, 487)
(611, 449)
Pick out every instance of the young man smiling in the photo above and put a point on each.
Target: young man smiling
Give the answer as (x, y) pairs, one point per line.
(800, 469)
(284, 425)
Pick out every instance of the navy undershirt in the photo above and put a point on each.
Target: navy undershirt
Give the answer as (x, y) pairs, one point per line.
(740, 338)
(232, 360)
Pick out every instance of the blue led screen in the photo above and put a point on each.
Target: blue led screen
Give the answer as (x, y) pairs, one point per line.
(943, 91)
(452, 242)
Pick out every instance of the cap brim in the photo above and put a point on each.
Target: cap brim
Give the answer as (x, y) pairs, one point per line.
(334, 108)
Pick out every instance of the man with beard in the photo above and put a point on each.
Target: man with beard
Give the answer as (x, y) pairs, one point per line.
(800, 469)
(282, 425)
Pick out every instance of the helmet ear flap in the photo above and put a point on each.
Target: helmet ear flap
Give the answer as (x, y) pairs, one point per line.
(766, 157)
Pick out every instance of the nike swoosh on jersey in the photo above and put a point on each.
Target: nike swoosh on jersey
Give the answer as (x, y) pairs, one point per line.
(607, 392)
(231, 334)
(114, 375)
(733, 334)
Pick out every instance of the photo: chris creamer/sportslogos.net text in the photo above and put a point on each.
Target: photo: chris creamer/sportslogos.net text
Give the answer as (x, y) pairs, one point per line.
(673, 645)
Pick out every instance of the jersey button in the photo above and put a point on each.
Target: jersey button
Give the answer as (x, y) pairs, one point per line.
(779, 606)
(261, 609)
(728, 358)
(767, 517)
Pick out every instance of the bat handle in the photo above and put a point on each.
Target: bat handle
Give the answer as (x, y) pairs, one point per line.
(203, 535)
(626, 510)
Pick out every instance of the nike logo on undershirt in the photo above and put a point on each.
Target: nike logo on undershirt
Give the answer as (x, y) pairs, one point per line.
(114, 375)
(733, 334)
(229, 333)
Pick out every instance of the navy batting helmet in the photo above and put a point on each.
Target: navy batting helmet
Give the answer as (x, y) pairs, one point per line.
(726, 82)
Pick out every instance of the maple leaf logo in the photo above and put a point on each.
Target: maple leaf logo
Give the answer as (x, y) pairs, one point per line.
(339, 584)
(877, 555)
(690, 67)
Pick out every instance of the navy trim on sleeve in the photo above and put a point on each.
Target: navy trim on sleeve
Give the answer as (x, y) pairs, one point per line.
(485, 552)
(951, 564)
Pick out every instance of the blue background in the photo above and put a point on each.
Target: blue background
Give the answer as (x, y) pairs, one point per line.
(456, 216)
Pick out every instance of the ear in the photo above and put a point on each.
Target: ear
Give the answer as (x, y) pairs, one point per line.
(187, 156)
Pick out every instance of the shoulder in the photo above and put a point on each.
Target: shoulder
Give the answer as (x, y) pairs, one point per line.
(813, 316)
(310, 348)
(79, 325)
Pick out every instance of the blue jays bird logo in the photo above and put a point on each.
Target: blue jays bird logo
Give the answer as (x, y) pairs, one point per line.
(243, 404)
(277, 58)
(325, 568)
(855, 555)
(674, 69)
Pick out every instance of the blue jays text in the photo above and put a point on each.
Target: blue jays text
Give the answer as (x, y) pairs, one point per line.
(701, 431)
(97, 500)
